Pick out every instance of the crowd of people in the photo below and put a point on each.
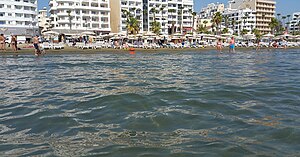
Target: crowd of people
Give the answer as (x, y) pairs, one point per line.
(13, 43)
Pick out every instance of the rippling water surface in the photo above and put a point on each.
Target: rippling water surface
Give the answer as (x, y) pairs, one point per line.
(151, 104)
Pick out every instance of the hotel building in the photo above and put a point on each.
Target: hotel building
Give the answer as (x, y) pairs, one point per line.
(118, 18)
(210, 10)
(170, 14)
(294, 25)
(265, 10)
(43, 20)
(18, 17)
(76, 16)
(238, 20)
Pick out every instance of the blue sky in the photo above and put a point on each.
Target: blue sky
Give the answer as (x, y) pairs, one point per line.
(283, 6)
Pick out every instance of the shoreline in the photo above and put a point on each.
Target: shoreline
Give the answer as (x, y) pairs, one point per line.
(71, 50)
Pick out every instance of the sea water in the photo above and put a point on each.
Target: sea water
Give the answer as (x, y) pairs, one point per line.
(192, 103)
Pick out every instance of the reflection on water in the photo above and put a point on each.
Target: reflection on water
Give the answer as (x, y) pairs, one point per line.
(151, 104)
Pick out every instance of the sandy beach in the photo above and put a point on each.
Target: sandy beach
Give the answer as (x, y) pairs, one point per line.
(72, 50)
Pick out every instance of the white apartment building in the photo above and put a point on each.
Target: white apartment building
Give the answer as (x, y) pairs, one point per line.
(295, 23)
(264, 9)
(170, 14)
(76, 16)
(237, 20)
(43, 20)
(210, 10)
(18, 17)
(118, 19)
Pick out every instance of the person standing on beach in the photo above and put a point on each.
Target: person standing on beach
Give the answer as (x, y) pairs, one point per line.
(36, 44)
(232, 45)
(13, 42)
(219, 45)
(258, 44)
(2, 42)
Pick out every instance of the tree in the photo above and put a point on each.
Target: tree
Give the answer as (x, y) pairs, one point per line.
(278, 16)
(70, 19)
(202, 29)
(273, 24)
(180, 12)
(153, 11)
(156, 27)
(226, 19)
(173, 22)
(205, 22)
(126, 14)
(299, 27)
(191, 11)
(257, 33)
(193, 14)
(217, 19)
(133, 25)
(225, 30)
(239, 26)
(161, 9)
(244, 31)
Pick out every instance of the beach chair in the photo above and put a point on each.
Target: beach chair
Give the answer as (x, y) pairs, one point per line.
(46, 45)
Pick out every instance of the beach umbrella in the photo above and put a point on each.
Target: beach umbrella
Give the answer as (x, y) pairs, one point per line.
(50, 33)
(226, 34)
(177, 34)
(269, 35)
(249, 36)
(87, 33)
(149, 34)
(286, 36)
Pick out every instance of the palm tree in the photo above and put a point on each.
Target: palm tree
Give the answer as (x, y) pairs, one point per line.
(202, 29)
(257, 33)
(278, 16)
(133, 10)
(299, 27)
(239, 26)
(126, 14)
(161, 9)
(217, 19)
(294, 26)
(288, 16)
(273, 24)
(133, 25)
(180, 12)
(225, 30)
(70, 19)
(191, 11)
(244, 31)
(226, 18)
(205, 22)
(233, 22)
(173, 22)
(153, 11)
(193, 14)
(156, 27)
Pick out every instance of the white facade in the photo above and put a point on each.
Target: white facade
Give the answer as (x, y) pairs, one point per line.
(264, 9)
(237, 20)
(295, 23)
(175, 13)
(135, 8)
(43, 20)
(211, 9)
(85, 15)
(18, 17)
